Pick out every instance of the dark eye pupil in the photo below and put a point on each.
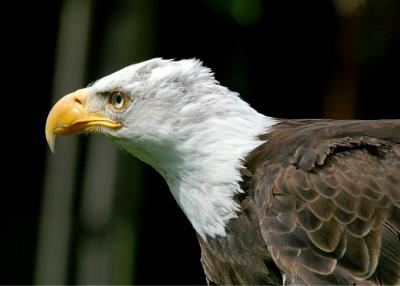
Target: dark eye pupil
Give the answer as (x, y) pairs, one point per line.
(119, 98)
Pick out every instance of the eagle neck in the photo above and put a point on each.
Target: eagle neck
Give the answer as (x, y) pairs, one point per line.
(207, 177)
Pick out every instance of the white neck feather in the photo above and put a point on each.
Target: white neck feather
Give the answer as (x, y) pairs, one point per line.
(204, 185)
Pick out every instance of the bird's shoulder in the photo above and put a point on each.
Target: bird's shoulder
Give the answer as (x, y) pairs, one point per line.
(307, 143)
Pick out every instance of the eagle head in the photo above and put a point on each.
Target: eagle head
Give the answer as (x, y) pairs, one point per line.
(176, 117)
(139, 105)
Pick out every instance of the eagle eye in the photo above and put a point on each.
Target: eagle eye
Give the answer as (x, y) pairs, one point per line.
(118, 100)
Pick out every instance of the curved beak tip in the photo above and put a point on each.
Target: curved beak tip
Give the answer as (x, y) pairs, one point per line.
(50, 142)
(50, 136)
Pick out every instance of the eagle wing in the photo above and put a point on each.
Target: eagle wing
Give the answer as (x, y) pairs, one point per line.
(329, 205)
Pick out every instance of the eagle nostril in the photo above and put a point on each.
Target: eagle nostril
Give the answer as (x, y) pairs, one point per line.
(78, 100)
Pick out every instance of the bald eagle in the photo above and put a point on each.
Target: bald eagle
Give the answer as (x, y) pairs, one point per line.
(272, 200)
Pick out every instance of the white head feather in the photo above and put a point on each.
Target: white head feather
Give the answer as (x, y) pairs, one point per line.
(192, 130)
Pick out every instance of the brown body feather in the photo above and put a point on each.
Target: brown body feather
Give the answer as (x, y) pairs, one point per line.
(321, 205)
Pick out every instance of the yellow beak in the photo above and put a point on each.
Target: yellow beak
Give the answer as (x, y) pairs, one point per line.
(69, 116)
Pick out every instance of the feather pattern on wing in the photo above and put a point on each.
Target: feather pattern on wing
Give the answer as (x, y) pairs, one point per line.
(337, 184)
